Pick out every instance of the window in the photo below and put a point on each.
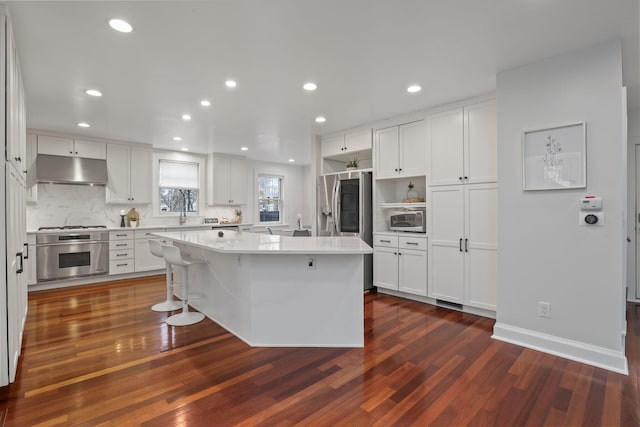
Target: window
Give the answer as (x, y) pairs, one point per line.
(178, 185)
(270, 198)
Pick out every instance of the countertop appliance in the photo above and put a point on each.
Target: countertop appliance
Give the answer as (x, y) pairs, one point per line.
(408, 220)
(68, 252)
(344, 209)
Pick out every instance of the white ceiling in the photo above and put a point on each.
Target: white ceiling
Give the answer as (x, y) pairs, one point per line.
(361, 53)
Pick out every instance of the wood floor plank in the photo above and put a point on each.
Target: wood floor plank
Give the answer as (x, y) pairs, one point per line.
(97, 355)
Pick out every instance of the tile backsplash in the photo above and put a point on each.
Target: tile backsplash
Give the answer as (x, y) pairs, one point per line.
(85, 205)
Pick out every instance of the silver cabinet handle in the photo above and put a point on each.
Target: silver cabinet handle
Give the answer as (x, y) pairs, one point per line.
(121, 265)
(122, 254)
(385, 241)
(121, 244)
(412, 243)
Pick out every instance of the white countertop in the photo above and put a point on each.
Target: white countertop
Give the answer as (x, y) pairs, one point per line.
(254, 243)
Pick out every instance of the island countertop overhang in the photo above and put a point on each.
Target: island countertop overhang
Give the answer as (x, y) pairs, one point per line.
(238, 242)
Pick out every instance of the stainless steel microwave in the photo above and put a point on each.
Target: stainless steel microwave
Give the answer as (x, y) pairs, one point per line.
(408, 220)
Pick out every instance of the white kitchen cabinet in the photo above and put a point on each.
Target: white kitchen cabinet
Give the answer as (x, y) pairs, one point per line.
(144, 259)
(227, 184)
(15, 112)
(462, 145)
(121, 252)
(68, 147)
(400, 263)
(129, 174)
(400, 151)
(345, 144)
(32, 152)
(462, 225)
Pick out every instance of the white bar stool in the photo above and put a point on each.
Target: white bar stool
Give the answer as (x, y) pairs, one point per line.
(169, 304)
(172, 255)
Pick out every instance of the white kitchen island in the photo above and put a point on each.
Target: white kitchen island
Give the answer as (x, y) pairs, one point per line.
(279, 291)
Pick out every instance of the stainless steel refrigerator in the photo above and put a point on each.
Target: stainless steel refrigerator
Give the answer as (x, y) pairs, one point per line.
(344, 209)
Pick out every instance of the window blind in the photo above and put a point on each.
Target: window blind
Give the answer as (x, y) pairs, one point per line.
(178, 175)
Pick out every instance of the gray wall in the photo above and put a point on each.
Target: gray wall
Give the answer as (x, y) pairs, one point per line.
(543, 254)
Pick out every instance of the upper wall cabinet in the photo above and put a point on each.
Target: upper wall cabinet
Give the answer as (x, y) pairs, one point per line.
(129, 174)
(15, 111)
(462, 145)
(57, 146)
(348, 144)
(400, 151)
(227, 180)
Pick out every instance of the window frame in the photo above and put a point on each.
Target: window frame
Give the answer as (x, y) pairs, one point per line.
(281, 177)
(178, 158)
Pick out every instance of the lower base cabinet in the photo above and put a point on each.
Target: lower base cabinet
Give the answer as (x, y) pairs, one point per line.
(144, 259)
(400, 263)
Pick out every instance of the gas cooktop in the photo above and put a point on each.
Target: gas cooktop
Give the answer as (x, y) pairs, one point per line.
(72, 227)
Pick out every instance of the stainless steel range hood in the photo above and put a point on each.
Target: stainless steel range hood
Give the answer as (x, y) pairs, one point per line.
(70, 170)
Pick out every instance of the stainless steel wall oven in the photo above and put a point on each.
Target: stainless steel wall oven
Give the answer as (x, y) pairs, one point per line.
(66, 255)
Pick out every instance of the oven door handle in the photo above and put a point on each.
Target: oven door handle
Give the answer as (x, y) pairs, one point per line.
(77, 242)
(21, 269)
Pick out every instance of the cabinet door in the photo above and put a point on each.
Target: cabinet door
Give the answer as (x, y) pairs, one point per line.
(412, 272)
(445, 140)
(32, 152)
(118, 158)
(385, 268)
(140, 185)
(446, 239)
(481, 203)
(220, 182)
(144, 259)
(55, 146)
(480, 143)
(90, 149)
(386, 153)
(237, 181)
(332, 146)
(412, 149)
(357, 141)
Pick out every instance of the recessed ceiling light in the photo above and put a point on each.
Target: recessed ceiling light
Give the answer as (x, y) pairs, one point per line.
(120, 25)
(84, 125)
(93, 92)
(414, 88)
(244, 148)
(320, 119)
(291, 160)
(186, 117)
(310, 86)
(177, 138)
(185, 149)
(205, 103)
(230, 83)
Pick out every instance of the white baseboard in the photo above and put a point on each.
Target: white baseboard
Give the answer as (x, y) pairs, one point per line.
(574, 350)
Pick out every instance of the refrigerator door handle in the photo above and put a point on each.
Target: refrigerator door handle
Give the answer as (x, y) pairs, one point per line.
(336, 208)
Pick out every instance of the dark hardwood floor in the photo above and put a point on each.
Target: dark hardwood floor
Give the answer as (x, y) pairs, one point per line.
(97, 355)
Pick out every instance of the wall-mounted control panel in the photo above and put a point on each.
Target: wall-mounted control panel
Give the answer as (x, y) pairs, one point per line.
(591, 211)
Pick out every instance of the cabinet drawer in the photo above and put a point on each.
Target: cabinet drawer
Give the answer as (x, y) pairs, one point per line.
(121, 235)
(389, 241)
(120, 244)
(121, 267)
(145, 234)
(418, 243)
(121, 254)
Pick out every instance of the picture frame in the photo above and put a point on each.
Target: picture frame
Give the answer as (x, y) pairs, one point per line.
(555, 158)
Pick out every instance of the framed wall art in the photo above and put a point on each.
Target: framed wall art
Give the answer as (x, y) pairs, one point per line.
(555, 158)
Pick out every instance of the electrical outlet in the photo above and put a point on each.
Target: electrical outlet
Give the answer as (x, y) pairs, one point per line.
(311, 263)
(544, 309)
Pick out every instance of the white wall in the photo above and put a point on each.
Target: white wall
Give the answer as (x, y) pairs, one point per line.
(543, 254)
(294, 191)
